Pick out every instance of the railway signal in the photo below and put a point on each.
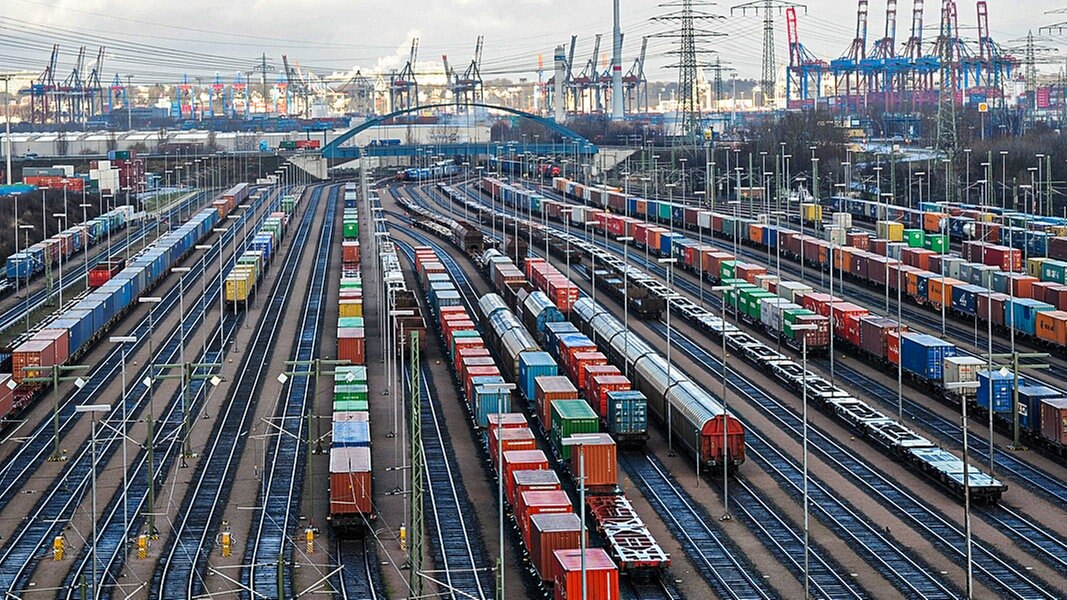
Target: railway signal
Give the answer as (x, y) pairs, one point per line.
(54, 378)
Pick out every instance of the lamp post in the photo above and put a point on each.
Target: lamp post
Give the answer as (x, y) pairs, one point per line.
(148, 381)
(725, 480)
(803, 329)
(222, 307)
(669, 261)
(579, 441)
(125, 341)
(94, 409)
(62, 217)
(625, 241)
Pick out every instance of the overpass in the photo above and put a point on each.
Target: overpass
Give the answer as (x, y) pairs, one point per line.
(575, 142)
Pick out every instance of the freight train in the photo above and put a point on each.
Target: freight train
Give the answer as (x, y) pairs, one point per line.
(74, 330)
(242, 281)
(1032, 235)
(31, 261)
(351, 485)
(893, 438)
(975, 291)
(437, 171)
(543, 512)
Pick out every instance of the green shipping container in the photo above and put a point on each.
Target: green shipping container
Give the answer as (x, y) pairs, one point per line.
(351, 230)
(350, 392)
(351, 283)
(1054, 270)
(789, 318)
(937, 243)
(914, 237)
(751, 300)
(350, 405)
(728, 270)
(468, 333)
(571, 417)
(350, 322)
(664, 211)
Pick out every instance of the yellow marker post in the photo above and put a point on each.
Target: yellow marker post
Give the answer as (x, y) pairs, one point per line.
(227, 543)
(142, 546)
(58, 545)
(309, 535)
(403, 538)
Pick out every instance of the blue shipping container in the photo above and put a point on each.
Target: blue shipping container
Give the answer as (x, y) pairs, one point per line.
(531, 366)
(490, 398)
(1001, 390)
(924, 355)
(553, 332)
(627, 413)
(1021, 313)
(1030, 397)
(351, 434)
(965, 298)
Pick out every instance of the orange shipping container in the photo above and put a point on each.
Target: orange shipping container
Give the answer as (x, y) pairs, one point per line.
(538, 503)
(1052, 327)
(548, 533)
(511, 439)
(32, 353)
(755, 233)
(601, 461)
(521, 460)
(549, 389)
(601, 575)
(939, 296)
(932, 222)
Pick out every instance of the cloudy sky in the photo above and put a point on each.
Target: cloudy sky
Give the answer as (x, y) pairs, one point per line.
(155, 40)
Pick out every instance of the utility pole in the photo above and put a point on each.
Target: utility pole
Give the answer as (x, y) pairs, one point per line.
(263, 68)
(190, 372)
(418, 523)
(683, 20)
(947, 140)
(54, 378)
(617, 108)
(768, 81)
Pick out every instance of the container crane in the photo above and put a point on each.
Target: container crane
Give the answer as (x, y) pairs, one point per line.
(42, 89)
(295, 87)
(604, 83)
(73, 89)
(185, 88)
(846, 69)
(920, 66)
(568, 80)
(993, 66)
(471, 82)
(117, 93)
(635, 84)
(881, 67)
(239, 88)
(586, 79)
(403, 87)
(803, 66)
(217, 89)
(94, 90)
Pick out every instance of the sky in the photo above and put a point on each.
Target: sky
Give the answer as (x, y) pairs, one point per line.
(154, 40)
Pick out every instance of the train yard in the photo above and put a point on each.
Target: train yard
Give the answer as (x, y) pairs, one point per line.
(294, 388)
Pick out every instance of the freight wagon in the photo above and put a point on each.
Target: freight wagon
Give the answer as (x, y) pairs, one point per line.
(31, 261)
(859, 415)
(543, 513)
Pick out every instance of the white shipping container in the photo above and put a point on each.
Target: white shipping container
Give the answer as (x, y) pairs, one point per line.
(836, 235)
(765, 281)
(68, 170)
(963, 369)
(843, 220)
(952, 266)
(770, 311)
(704, 219)
(895, 249)
(790, 289)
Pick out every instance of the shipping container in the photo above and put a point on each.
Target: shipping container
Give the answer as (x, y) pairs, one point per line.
(601, 575)
(548, 533)
(1054, 420)
(521, 460)
(924, 355)
(999, 387)
(529, 504)
(570, 417)
(1030, 399)
(627, 414)
(531, 366)
(547, 391)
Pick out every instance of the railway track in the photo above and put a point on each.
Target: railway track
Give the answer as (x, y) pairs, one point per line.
(58, 505)
(714, 557)
(356, 579)
(180, 570)
(286, 455)
(997, 571)
(460, 558)
(76, 274)
(1001, 574)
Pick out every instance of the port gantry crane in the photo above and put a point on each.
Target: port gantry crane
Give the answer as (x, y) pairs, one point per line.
(581, 84)
(403, 87)
(466, 88)
(635, 84)
(803, 66)
(848, 79)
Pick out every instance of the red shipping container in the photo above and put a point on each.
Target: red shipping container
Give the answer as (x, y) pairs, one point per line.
(1039, 290)
(511, 439)
(32, 353)
(576, 367)
(590, 371)
(474, 362)
(351, 345)
(521, 460)
(1054, 420)
(1022, 285)
(535, 480)
(917, 257)
(749, 271)
(1057, 248)
(601, 575)
(549, 389)
(468, 353)
(1008, 259)
(507, 421)
(1057, 296)
(877, 268)
(820, 336)
(539, 503)
(879, 247)
(601, 462)
(860, 241)
(551, 532)
(61, 337)
(351, 489)
(991, 306)
(839, 313)
(597, 388)
(468, 384)
(892, 346)
(874, 334)
(453, 326)
(350, 252)
(7, 395)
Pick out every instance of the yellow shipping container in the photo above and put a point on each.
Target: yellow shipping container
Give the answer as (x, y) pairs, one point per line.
(239, 284)
(891, 230)
(1034, 265)
(351, 308)
(811, 213)
(984, 217)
